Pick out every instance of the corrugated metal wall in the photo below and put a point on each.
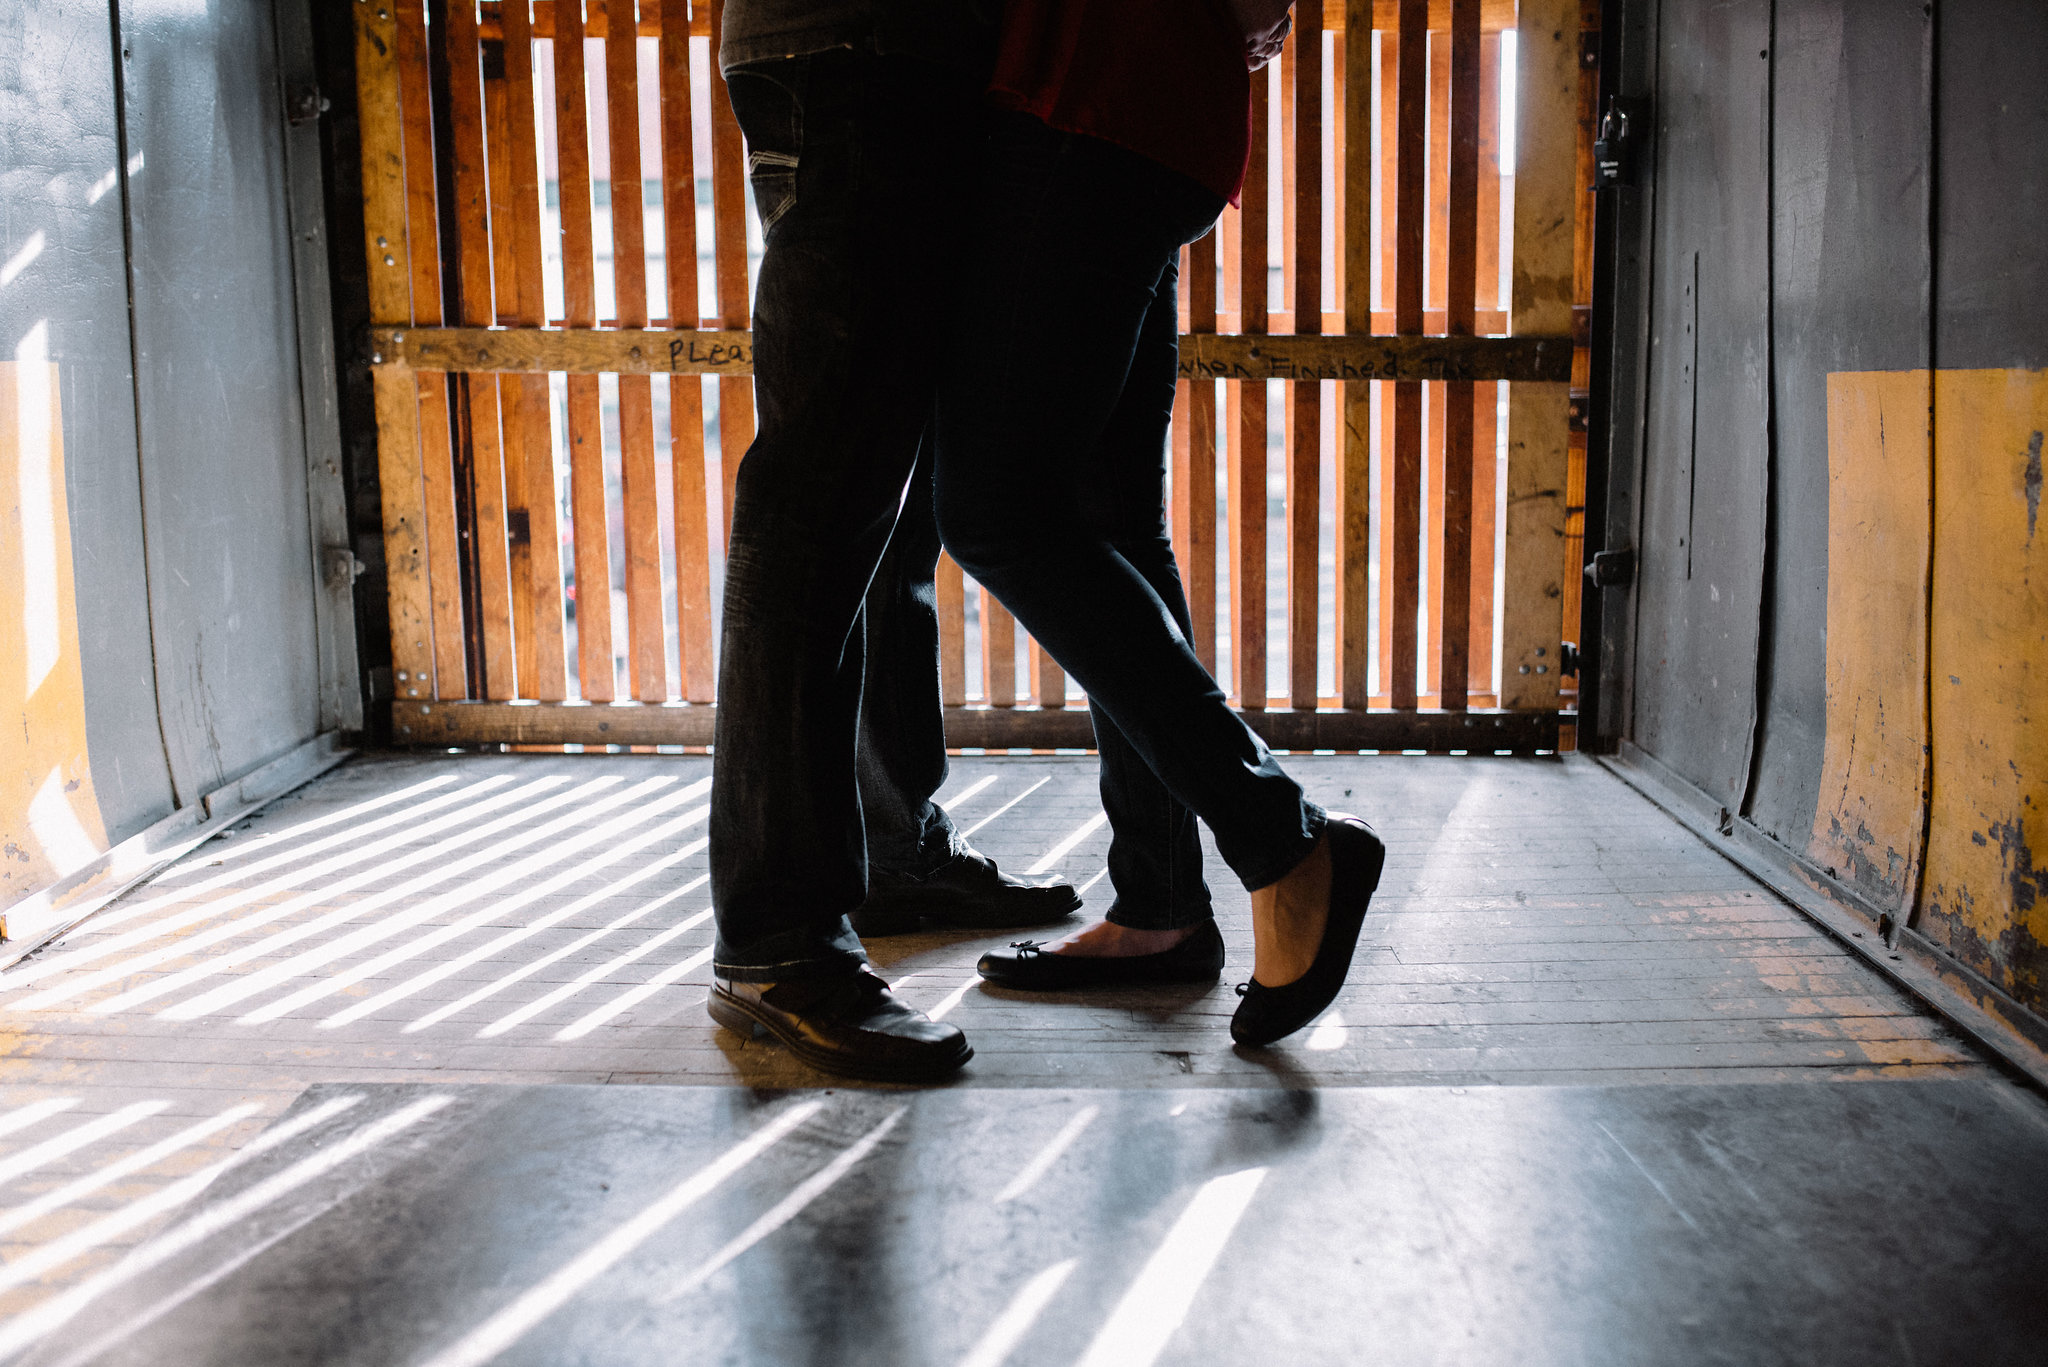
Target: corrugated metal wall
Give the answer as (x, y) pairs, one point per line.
(1827, 449)
(160, 260)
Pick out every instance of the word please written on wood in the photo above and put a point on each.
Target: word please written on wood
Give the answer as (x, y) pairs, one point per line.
(1203, 356)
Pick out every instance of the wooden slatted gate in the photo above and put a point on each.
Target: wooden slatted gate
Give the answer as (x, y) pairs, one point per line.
(560, 409)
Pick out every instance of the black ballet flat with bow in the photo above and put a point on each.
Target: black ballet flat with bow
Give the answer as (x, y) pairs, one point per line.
(1027, 964)
(1266, 1013)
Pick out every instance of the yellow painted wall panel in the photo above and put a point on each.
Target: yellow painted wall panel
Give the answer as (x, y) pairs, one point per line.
(1986, 887)
(49, 817)
(1867, 823)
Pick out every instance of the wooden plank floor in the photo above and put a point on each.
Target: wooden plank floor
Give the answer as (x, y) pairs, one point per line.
(528, 919)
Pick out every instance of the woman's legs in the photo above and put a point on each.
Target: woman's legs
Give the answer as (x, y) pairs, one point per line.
(1069, 254)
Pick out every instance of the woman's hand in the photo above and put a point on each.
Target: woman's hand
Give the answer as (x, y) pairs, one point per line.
(1265, 25)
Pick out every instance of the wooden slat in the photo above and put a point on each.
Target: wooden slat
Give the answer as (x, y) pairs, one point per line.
(1197, 505)
(685, 395)
(1383, 394)
(1048, 680)
(1486, 397)
(952, 602)
(1454, 669)
(646, 636)
(1496, 15)
(992, 728)
(998, 653)
(1245, 424)
(729, 249)
(1409, 226)
(586, 440)
(437, 470)
(534, 418)
(1305, 401)
(1547, 101)
(387, 245)
(1354, 479)
(1226, 356)
(474, 277)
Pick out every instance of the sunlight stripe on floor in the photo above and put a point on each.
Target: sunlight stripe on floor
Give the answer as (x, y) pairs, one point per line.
(597, 974)
(1006, 807)
(1330, 1033)
(966, 794)
(44, 1258)
(96, 949)
(1042, 1161)
(139, 1161)
(527, 970)
(611, 850)
(1000, 1339)
(1138, 1330)
(944, 1006)
(24, 1116)
(1100, 874)
(441, 871)
(18, 1165)
(269, 849)
(27, 1328)
(1052, 857)
(217, 999)
(491, 949)
(785, 1210)
(633, 996)
(510, 1324)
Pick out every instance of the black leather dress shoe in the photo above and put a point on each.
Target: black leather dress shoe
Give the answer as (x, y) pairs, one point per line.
(1025, 964)
(968, 892)
(853, 1026)
(1269, 1013)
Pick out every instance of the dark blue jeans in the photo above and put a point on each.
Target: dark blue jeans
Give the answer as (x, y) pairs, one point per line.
(1054, 403)
(830, 741)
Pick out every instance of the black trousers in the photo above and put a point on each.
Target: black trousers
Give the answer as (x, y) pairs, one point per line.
(1052, 424)
(830, 741)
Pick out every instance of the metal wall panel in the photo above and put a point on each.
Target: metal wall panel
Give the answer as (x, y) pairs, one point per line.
(223, 441)
(61, 252)
(1701, 559)
(1992, 215)
(1849, 274)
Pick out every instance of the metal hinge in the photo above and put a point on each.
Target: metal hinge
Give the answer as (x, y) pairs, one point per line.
(1614, 569)
(305, 104)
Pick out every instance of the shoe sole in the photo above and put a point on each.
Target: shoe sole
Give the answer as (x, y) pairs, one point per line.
(907, 918)
(1204, 977)
(738, 1019)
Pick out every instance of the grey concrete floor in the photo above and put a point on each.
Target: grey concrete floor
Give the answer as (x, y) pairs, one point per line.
(1548, 950)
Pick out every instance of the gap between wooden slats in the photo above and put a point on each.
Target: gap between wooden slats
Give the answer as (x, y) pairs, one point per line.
(1462, 193)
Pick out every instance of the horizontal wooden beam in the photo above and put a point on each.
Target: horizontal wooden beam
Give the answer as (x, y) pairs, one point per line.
(983, 728)
(1217, 356)
(1494, 15)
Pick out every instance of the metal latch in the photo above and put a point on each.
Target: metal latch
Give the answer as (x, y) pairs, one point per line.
(340, 565)
(1612, 569)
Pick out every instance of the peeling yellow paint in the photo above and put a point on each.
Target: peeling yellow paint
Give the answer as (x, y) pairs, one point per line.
(49, 815)
(1867, 823)
(1986, 888)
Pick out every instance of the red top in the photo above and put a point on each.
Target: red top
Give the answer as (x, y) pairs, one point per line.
(1164, 78)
